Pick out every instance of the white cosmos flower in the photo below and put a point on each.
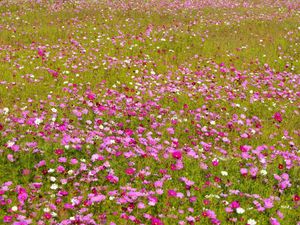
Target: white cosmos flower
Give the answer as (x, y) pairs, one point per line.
(5, 110)
(14, 208)
(38, 121)
(46, 210)
(224, 173)
(251, 222)
(54, 186)
(10, 144)
(263, 172)
(240, 210)
(53, 179)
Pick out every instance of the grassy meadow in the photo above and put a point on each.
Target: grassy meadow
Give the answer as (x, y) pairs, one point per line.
(150, 112)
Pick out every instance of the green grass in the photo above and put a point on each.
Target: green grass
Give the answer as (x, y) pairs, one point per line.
(242, 38)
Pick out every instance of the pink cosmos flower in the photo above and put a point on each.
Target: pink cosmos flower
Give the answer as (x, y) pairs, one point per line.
(113, 179)
(228, 209)
(274, 221)
(280, 214)
(193, 199)
(53, 73)
(211, 214)
(98, 198)
(152, 200)
(141, 205)
(60, 169)
(244, 171)
(10, 158)
(170, 130)
(253, 171)
(268, 203)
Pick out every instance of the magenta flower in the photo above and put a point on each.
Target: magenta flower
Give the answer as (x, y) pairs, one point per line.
(235, 204)
(156, 221)
(177, 154)
(41, 52)
(112, 178)
(130, 171)
(172, 193)
(91, 96)
(47, 216)
(7, 219)
(22, 196)
(215, 162)
(277, 116)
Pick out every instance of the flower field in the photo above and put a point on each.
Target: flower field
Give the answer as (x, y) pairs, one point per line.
(150, 112)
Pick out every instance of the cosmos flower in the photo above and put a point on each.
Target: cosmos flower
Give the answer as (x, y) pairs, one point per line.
(156, 221)
(274, 221)
(240, 210)
(277, 116)
(251, 222)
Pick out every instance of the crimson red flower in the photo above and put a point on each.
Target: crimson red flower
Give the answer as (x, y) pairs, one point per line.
(217, 179)
(280, 166)
(173, 167)
(296, 198)
(59, 151)
(204, 214)
(44, 172)
(206, 202)
(137, 221)
(1, 126)
(130, 171)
